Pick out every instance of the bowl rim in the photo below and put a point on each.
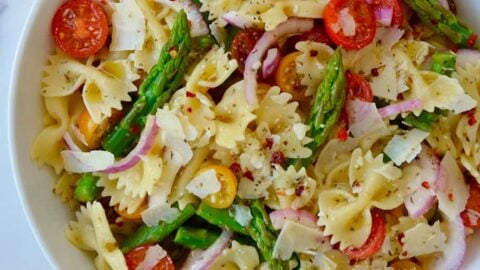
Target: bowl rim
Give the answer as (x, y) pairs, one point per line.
(14, 78)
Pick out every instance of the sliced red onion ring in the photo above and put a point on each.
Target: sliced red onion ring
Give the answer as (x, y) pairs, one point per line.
(279, 217)
(467, 56)
(401, 107)
(78, 135)
(383, 15)
(146, 141)
(236, 19)
(252, 64)
(423, 197)
(454, 253)
(198, 25)
(70, 143)
(208, 257)
(271, 62)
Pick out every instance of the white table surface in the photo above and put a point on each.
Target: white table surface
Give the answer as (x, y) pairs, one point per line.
(18, 248)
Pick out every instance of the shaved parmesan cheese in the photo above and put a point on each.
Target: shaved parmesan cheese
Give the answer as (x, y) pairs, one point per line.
(453, 191)
(404, 148)
(160, 212)
(153, 255)
(80, 162)
(242, 214)
(204, 184)
(363, 118)
(128, 25)
(295, 237)
(423, 239)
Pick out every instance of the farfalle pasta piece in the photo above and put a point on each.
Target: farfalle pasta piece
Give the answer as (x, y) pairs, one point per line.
(91, 232)
(118, 197)
(442, 137)
(346, 215)
(140, 180)
(238, 256)
(310, 64)
(233, 116)
(277, 110)
(211, 71)
(65, 188)
(62, 76)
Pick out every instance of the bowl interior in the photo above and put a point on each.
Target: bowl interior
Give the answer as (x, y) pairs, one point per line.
(47, 215)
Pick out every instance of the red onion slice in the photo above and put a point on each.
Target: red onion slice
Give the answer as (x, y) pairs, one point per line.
(279, 217)
(70, 143)
(208, 257)
(383, 15)
(146, 141)
(236, 19)
(252, 64)
(467, 56)
(271, 62)
(401, 107)
(454, 253)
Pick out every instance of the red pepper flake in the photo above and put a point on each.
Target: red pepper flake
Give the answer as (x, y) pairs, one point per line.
(235, 167)
(248, 175)
(352, 261)
(190, 94)
(400, 96)
(356, 183)
(471, 41)
(299, 190)
(426, 185)
(268, 143)
(173, 52)
(278, 158)
(400, 237)
(450, 196)
(454, 48)
(342, 134)
(313, 53)
(189, 109)
(404, 254)
(472, 119)
(374, 72)
(135, 129)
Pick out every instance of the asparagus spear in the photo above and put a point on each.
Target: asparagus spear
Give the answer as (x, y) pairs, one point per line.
(327, 106)
(444, 63)
(86, 190)
(149, 235)
(220, 218)
(261, 230)
(194, 238)
(161, 82)
(443, 21)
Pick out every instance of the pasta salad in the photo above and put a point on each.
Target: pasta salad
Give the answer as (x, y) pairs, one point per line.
(264, 134)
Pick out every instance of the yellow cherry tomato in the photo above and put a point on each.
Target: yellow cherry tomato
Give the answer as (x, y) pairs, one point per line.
(288, 79)
(405, 265)
(93, 132)
(228, 189)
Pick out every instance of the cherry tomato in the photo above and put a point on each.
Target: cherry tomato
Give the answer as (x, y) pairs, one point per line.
(317, 34)
(365, 24)
(136, 256)
(397, 18)
(473, 203)
(80, 28)
(228, 190)
(287, 77)
(358, 87)
(243, 44)
(136, 215)
(405, 265)
(374, 241)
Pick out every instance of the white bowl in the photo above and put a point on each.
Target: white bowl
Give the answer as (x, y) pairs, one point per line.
(47, 216)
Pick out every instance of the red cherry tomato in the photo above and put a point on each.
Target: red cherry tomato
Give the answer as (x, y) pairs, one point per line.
(136, 256)
(317, 34)
(397, 18)
(243, 44)
(365, 24)
(374, 241)
(358, 87)
(80, 28)
(473, 203)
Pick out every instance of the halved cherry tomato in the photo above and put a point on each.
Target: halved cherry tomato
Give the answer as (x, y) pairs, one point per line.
(288, 79)
(93, 132)
(473, 204)
(358, 87)
(374, 241)
(397, 18)
(136, 215)
(365, 24)
(228, 190)
(136, 256)
(80, 28)
(243, 44)
(405, 265)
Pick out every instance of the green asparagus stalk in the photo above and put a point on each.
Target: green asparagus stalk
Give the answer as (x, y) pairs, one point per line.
(149, 235)
(161, 82)
(194, 238)
(87, 190)
(262, 232)
(327, 106)
(444, 63)
(220, 218)
(443, 21)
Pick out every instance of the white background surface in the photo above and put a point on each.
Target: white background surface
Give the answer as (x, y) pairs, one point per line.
(18, 248)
